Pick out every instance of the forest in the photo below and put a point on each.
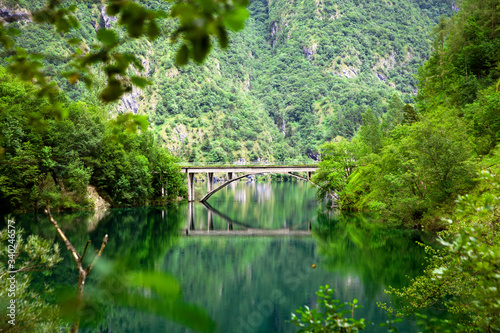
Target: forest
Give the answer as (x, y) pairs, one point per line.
(295, 77)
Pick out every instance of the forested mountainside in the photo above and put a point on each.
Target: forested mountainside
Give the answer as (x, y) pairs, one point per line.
(299, 74)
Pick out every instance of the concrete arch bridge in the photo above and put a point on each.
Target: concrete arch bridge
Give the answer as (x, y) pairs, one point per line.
(240, 171)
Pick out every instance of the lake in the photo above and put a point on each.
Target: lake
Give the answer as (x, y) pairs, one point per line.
(245, 260)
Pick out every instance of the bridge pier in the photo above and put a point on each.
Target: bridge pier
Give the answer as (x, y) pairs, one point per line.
(210, 181)
(229, 175)
(191, 186)
(210, 219)
(191, 219)
(309, 174)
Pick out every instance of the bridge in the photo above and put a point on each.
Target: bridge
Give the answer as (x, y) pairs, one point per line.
(236, 172)
(242, 230)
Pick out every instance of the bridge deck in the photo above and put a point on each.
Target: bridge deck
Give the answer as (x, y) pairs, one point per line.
(248, 232)
(249, 169)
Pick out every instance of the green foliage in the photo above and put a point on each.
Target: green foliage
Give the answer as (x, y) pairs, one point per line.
(419, 168)
(33, 313)
(485, 120)
(465, 60)
(464, 274)
(137, 21)
(59, 160)
(394, 115)
(370, 134)
(336, 165)
(284, 85)
(151, 292)
(331, 319)
(429, 153)
(410, 115)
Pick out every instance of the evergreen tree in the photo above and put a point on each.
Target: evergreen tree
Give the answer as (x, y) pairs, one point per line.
(370, 132)
(394, 113)
(410, 115)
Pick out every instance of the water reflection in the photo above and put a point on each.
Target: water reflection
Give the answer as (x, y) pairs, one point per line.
(253, 284)
(245, 284)
(267, 206)
(199, 227)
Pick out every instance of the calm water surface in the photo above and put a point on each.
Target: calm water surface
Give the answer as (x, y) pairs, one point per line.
(244, 283)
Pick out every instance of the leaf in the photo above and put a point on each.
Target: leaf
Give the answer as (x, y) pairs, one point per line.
(107, 36)
(74, 41)
(201, 47)
(113, 9)
(182, 55)
(112, 92)
(140, 81)
(72, 76)
(153, 31)
(141, 121)
(88, 81)
(223, 37)
(235, 20)
(186, 314)
(163, 284)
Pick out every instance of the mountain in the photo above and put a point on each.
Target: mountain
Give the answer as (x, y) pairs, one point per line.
(301, 73)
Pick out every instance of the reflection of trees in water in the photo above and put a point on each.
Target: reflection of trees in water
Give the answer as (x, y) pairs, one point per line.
(379, 256)
(266, 205)
(263, 192)
(247, 282)
(252, 283)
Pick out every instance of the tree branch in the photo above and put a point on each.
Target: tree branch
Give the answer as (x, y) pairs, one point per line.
(103, 245)
(85, 250)
(68, 244)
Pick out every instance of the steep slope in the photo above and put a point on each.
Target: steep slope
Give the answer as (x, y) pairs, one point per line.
(300, 73)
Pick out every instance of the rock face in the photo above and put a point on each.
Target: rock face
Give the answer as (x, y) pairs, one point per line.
(11, 15)
(99, 204)
(130, 101)
(313, 155)
(108, 20)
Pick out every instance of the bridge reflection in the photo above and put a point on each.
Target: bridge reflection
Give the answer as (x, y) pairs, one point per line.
(242, 229)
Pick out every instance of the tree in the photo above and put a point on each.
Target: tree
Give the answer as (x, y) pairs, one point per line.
(337, 163)
(394, 113)
(82, 272)
(464, 275)
(410, 115)
(32, 254)
(370, 133)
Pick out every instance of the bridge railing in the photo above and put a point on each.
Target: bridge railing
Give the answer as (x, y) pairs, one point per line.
(238, 163)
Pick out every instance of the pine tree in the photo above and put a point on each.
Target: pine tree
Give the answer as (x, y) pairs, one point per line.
(410, 115)
(370, 132)
(394, 113)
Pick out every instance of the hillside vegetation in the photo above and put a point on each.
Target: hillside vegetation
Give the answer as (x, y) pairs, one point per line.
(412, 166)
(45, 159)
(299, 74)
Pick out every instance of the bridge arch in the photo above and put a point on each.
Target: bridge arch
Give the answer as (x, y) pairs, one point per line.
(210, 193)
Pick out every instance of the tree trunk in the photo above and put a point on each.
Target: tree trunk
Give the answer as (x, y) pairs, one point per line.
(82, 275)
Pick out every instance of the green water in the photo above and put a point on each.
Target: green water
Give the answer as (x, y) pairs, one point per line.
(245, 284)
